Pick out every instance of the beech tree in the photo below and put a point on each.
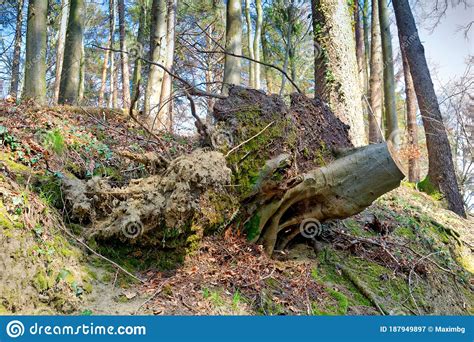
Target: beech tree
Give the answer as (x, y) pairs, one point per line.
(35, 62)
(124, 56)
(60, 48)
(15, 76)
(71, 71)
(233, 44)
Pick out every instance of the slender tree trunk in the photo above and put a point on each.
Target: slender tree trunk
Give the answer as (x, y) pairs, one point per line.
(391, 129)
(375, 82)
(107, 54)
(360, 47)
(82, 74)
(166, 101)
(17, 51)
(114, 80)
(266, 59)
(113, 72)
(256, 43)
(288, 45)
(336, 79)
(124, 56)
(365, 22)
(441, 172)
(233, 44)
(250, 44)
(70, 75)
(158, 55)
(60, 48)
(35, 66)
(137, 70)
(413, 162)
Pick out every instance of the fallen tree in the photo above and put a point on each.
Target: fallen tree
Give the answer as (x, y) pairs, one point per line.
(277, 166)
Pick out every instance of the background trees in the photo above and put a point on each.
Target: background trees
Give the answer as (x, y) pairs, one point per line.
(327, 48)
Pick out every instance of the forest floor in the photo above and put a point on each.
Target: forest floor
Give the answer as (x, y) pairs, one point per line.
(405, 254)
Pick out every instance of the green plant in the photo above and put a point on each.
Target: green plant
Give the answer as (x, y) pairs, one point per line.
(54, 141)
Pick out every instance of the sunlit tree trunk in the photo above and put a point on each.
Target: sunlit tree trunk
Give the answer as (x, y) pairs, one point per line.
(137, 70)
(391, 118)
(166, 101)
(35, 63)
(266, 58)
(233, 44)
(375, 82)
(124, 56)
(60, 48)
(441, 173)
(256, 42)
(71, 73)
(360, 47)
(107, 54)
(158, 55)
(113, 96)
(15, 79)
(250, 44)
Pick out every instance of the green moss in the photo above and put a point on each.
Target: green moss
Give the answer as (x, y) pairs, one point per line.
(42, 282)
(340, 308)
(251, 227)
(428, 187)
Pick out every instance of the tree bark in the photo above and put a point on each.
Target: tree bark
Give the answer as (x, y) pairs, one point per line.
(256, 42)
(158, 55)
(15, 79)
(375, 82)
(124, 56)
(441, 172)
(341, 189)
(336, 80)
(266, 59)
(107, 54)
(113, 96)
(233, 44)
(35, 66)
(166, 101)
(288, 44)
(137, 70)
(391, 118)
(60, 48)
(413, 160)
(360, 47)
(250, 44)
(70, 75)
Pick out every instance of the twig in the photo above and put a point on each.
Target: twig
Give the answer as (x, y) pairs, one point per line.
(154, 294)
(64, 229)
(249, 139)
(130, 112)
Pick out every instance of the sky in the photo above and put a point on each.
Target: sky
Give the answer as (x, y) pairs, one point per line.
(447, 47)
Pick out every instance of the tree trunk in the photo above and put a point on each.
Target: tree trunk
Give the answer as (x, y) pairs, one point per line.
(137, 70)
(413, 162)
(266, 59)
(60, 48)
(17, 51)
(166, 101)
(35, 63)
(250, 44)
(256, 42)
(375, 82)
(82, 75)
(365, 22)
(441, 173)
(360, 47)
(124, 56)
(70, 75)
(288, 45)
(391, 129)
(336, 79)
(158, 55)
(233, 44)
(113, 70)
(341, 189)
(107, 54)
